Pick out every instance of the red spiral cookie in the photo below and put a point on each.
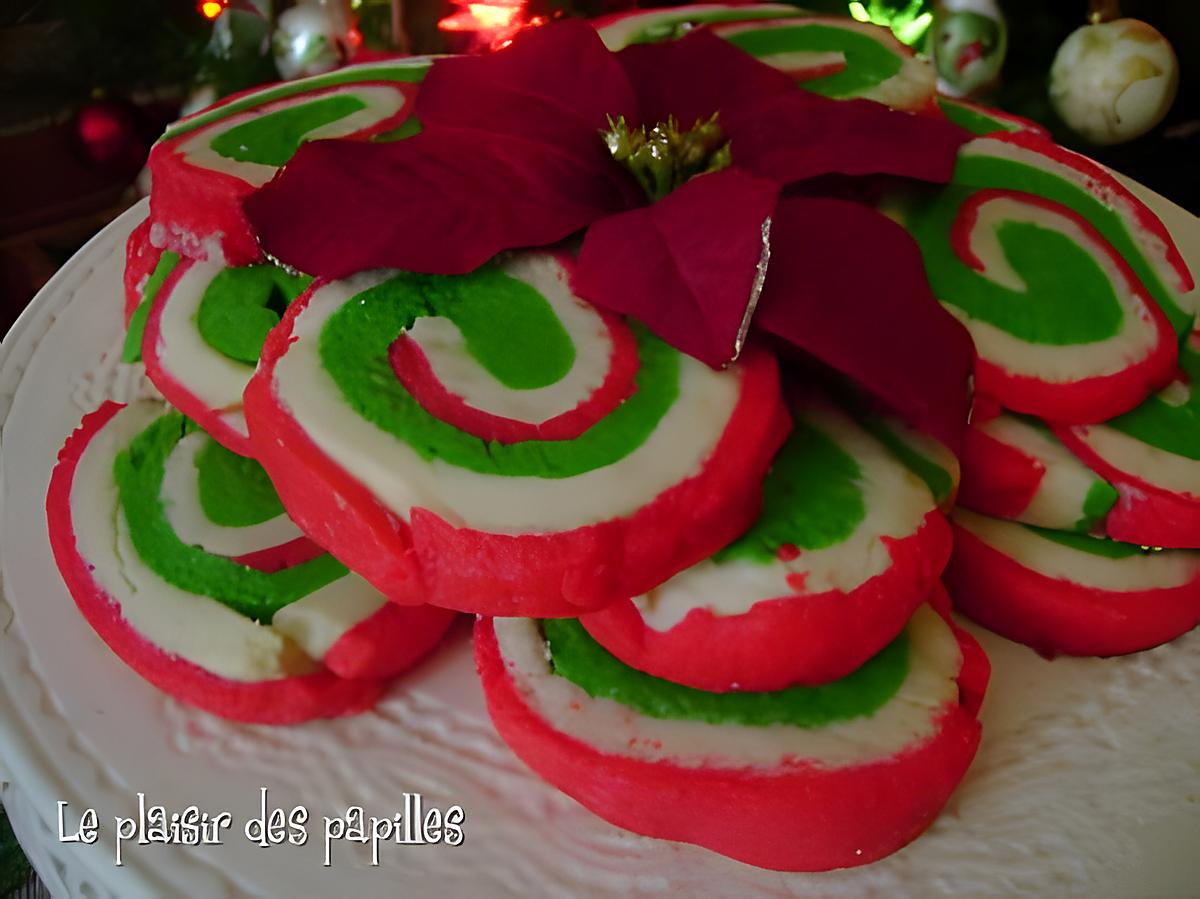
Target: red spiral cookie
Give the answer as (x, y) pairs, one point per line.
(492, 443)
(178, 554)
(1064, 593)
(206, 164)
(805, 779)
(848, 544)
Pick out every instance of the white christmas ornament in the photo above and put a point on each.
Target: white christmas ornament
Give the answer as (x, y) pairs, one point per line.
(1114, 81)
(311, 38)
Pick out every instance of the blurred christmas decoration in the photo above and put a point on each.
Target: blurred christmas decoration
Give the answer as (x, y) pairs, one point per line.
(477, 26)
(211, 9)
(254, 41)
(109, 137)
(59, 56)
(908, 19)
(969, 42)
(237, 54)
(1112, 81)
(381, 25)
(313, 37)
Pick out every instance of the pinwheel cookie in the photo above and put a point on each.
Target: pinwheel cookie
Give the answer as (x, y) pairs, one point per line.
(1068, 593)
(492, 443)
(141, 258)
(830, 55)
(205, 164)
(848, 544)
(202, 335)
(1029, 163)
(1071, 288)
(647, 26)
(802, 779)
(839, 57)
(1152, 457)
(1015, 467)
(180, 557)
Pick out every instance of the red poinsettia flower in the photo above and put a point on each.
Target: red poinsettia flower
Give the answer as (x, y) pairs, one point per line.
(511, 156)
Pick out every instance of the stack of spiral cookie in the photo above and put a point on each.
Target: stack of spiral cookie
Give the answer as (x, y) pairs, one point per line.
(709, 602)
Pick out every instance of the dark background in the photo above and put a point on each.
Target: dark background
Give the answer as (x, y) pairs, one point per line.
(130, 63)
(1166, 160)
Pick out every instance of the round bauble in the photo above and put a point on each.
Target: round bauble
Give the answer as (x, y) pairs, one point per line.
(1114, 81)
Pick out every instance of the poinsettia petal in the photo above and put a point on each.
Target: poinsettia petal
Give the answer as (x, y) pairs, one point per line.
(442, 202)
(556, 83)
(695, 76)
(847, 285)
(687, 266)
(798, 135)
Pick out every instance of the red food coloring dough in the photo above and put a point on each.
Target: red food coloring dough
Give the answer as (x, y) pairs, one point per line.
(199, 185)
(286, 700)
(759, 618)
(141, 258)
(412, 369)
(1146, 513)
(214, 421)
(415, 554)
(1084, 398)
(1018, 583)
(798, 815)
(349, 676)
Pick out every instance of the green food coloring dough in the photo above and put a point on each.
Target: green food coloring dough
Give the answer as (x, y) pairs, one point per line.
(1068, 300)
(138, 472)
(1189, 361)
(1157, 423)
(976, 170)
(273, 138)
(521, 341)
(530, 350)
(973, 120)
(241, 305)
(1101, 497)
(235, 491)
(132, 349)
(670, 27)
(410, 127)
(939, 481)
(811, 499)
(577, 657)
(868, 62)
(1096, 546)
(410, 74)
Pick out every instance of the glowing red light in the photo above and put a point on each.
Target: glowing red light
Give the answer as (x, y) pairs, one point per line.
(490, 25)
(210, 9)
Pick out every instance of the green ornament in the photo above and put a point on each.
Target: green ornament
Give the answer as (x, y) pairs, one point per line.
(969, 42)
(909, 20)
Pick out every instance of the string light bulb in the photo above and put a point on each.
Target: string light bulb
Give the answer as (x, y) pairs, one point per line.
(211, 9)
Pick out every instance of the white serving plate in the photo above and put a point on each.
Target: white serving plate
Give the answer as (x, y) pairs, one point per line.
(1087, 780)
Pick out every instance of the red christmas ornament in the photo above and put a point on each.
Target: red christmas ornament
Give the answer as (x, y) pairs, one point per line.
(108, 137)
